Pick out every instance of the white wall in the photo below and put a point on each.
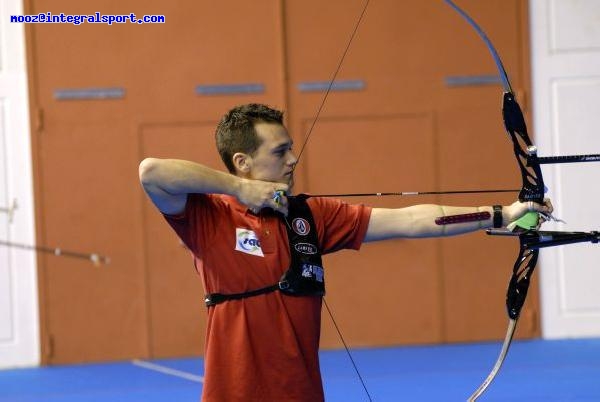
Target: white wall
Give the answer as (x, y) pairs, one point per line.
(565, 45)
(19, 319)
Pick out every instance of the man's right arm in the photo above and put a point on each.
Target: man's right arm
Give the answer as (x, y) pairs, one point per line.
(168, 182)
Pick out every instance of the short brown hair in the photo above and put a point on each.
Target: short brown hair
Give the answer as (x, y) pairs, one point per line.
(235, 132)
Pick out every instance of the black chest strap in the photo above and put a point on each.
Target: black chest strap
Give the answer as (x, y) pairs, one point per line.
(305, 276)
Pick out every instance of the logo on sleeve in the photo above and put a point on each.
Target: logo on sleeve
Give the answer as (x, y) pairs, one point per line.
(301, 226)
(247, 242)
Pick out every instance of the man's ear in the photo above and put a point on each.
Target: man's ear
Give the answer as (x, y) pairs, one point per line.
(242, 162)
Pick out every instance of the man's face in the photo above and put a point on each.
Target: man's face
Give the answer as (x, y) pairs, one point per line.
(273, 160)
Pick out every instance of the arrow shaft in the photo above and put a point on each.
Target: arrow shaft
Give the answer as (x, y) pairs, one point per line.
(414, 193)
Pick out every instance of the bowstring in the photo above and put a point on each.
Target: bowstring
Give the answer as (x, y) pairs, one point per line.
(310, 130)
(332, 81)
(362, 381)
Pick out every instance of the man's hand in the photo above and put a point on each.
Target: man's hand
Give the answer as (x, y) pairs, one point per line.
(257, 194)
(518, 209)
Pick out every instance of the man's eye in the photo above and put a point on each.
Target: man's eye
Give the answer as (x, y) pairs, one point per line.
(282, 152)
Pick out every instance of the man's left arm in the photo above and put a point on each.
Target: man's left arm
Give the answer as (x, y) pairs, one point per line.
(418, 221)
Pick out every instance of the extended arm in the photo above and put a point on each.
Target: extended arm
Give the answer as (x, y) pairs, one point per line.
(419, 220)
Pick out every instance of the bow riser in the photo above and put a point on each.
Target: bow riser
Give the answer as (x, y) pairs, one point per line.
(518, 286)
(525, 152)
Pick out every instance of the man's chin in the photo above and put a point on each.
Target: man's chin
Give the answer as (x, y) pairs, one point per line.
(287, 180)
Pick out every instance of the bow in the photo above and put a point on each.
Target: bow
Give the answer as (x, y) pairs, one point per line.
(532, 190)
(530, 239)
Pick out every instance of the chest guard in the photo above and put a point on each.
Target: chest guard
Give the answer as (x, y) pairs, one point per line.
(305, 276)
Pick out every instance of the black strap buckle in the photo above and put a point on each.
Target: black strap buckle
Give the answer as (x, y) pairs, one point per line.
(214, 299)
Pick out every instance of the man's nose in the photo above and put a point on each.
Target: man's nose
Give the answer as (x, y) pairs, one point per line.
(292, 159)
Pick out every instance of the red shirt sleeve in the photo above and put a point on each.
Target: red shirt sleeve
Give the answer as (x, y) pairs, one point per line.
(196, 220)
(339, 224)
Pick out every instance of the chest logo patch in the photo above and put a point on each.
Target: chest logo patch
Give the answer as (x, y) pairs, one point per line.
(247, 242)
(306, 248)
(301, 226)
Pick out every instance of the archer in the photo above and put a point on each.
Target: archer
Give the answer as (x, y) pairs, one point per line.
(264, 302)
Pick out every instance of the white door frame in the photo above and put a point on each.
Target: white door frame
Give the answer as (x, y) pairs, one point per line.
(19, 310)
(565, 46)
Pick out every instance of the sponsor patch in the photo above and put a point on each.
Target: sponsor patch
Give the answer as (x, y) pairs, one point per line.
(247, 242)
(313, 271)
(306, 248)
(301, 226)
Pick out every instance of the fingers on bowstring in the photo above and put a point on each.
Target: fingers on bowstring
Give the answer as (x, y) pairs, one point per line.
(279, 201)
(544, 207)
(548, 205)
(546, 210)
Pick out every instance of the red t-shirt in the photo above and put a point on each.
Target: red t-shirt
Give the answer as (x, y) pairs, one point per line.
(261, 348)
